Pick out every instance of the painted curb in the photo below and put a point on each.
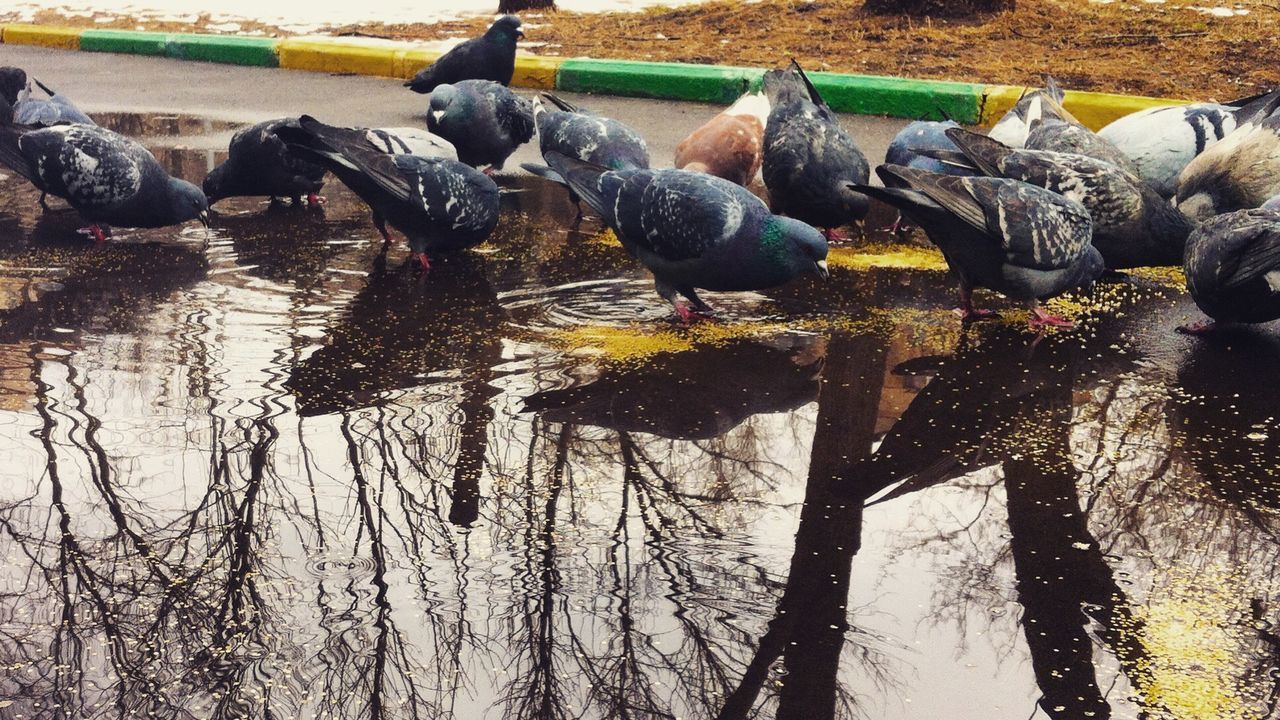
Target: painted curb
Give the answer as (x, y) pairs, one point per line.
(1095, 110)
(44, 36)
(969, 103)
(183, 46)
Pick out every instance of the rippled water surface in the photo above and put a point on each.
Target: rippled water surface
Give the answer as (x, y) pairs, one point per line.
(275, 472)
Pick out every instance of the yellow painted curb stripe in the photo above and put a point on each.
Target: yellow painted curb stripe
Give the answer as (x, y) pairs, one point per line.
(536, 72)
(1095, 110)
(42, 35)
(318, 56)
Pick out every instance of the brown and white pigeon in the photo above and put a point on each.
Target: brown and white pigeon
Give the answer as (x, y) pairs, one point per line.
(731, 144)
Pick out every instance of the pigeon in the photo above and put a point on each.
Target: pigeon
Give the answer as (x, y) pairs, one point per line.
(108, 178)
(13, 81)
(441, 205)
(1233, 267)
(491, 56)
(1051, 127)
(582, 135)
(410, 141)
(260, 164)
(1132, 225)
(694, 230)
(729, 145)
(47, 111)
(1013, 127)
(912, 145)
(1012, 237)
(1240, 171)
(484, 121)
(810, 162)
(1162, 141)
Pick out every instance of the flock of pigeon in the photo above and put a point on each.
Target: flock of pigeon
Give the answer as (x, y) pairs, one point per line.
(1039, 206)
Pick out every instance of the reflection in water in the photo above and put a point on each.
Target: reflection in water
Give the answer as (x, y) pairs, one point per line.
(270, 472)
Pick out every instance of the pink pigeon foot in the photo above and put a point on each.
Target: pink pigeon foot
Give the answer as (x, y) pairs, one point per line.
(1203, 327)
(99, 237)
(831, 235)
(314, 200)
(1041, 319)
(972, 314)
(422, 261)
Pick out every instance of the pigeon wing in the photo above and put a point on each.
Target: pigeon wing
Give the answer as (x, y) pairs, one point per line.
(1253, 250)
(89, 166)
(1039, 229)
(681, 215)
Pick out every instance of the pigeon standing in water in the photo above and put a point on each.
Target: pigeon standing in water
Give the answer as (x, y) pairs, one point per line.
(260, 164)
(730, 144)
(810, 162)
(47, 111)
(1132, 225)
(440, 205)
(491, 56)
(1020, 240)
(108, 178)
(1233, 267)
(483, 120)
(696, 231)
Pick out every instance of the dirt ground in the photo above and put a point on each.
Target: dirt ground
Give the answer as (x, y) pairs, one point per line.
(1147, 47)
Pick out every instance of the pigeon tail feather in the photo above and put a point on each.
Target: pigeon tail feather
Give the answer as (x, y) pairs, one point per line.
(582, 178)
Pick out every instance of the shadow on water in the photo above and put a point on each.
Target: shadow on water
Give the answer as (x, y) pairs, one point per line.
(271, 471)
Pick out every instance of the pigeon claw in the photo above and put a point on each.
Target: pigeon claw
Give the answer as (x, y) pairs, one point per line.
(423, 262)
(972, 314)
(314, 200)
(831, 235)
(95, 232)
(1203, 327)
(1041, 319)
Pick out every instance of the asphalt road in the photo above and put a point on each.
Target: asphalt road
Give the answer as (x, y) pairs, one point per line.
(101, 82)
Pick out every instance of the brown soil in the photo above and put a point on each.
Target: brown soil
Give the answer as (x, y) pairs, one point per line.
(1128, 46)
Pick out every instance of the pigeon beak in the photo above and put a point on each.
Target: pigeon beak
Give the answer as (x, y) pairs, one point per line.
(204, 218)
(822, 269)
(519, 34)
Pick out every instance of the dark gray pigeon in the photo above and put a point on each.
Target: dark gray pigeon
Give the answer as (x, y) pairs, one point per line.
(13, 80)
(810, 162)
(108, 178)
(260, 164)
(1051, 127)
(1239, 172)
(483, 120)
(1233, 267)
(694, 230)
(1132, 225)
(440, 205)
(582, 135)
(491, 56)
(1020, 240)
(47, 111)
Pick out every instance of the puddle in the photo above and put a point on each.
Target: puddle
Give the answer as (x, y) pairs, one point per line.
(270, 470)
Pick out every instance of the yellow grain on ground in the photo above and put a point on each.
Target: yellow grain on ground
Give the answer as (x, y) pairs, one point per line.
(1171, 276)
(911, 257)
(605, 237)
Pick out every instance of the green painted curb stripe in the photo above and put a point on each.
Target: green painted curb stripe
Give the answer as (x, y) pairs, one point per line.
(864, 94)
(184, 46)
(673, 81)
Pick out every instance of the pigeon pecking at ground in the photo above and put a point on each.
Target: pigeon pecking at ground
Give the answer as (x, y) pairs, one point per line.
(810, 162)
(1012, 127)
(582, 135)
(695, 231)
(1022, 241)
(491, 56)
(260, 164)
(729, 145)
(1233, 267)
(484, 121)
(108, 178)
(1132, 225)
(441, 205)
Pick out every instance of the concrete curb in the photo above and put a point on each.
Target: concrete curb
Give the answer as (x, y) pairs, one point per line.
(968, 103)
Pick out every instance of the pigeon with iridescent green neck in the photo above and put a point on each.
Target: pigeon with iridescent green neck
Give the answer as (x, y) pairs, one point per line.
(696, 231)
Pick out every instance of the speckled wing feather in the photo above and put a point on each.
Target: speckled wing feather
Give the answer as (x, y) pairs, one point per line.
(1246, 246)
(679, 215)
(1039, 229)
(515, 116)
(92, 168)
(591, 138)
(410, 141)
(457, 199)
